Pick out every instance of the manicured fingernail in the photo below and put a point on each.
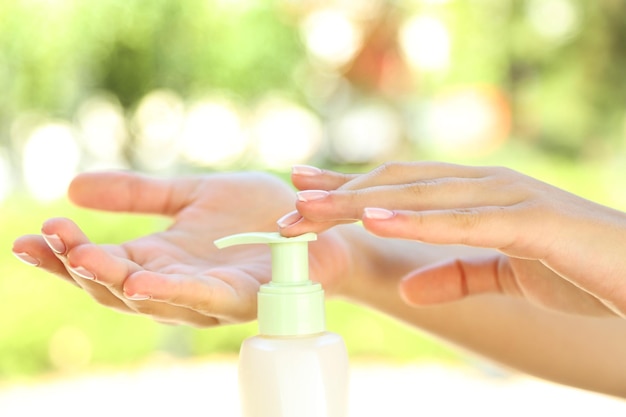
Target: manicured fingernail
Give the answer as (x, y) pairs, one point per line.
(289, 219)
(82, 272)
(312, 195)
(136, 296)
(55, 243)
(375, 213)
(305, 170)
(26, 258)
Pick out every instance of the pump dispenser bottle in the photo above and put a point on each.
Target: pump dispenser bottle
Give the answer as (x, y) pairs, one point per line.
(294, 367)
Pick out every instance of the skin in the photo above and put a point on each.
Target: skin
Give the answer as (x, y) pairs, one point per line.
(554, 249)
(178, 276)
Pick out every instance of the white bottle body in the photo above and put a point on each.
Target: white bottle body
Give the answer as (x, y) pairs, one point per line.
(301, 376)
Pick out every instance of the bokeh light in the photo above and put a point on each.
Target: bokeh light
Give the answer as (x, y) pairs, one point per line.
(51, 158)
(367, 131)
(103, 131)
(158, 123)
(213, 134)
(468, 121)
(425, 42)
(285, 134)
(331, 37)
(555, 20)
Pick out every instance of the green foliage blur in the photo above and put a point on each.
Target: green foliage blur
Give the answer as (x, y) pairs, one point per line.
(55, 53)
(567, 96)
(566, 89)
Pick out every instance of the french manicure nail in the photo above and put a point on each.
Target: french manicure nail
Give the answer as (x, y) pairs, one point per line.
(137, 297)
(26, 258)
(289, 219)
(305, 170)
(375, 213)
(82, 272)
(312, 195)
(55, 243)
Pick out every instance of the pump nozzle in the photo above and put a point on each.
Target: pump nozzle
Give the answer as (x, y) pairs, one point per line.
(290, 304)
(261, 237)
(290, 257)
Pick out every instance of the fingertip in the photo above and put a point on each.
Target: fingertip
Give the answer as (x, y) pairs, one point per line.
(429, 286)
(144, 285)
(82, 187)
(58, 226)
(90, 256)
(305, 226)
(50, 234)
(34, 246)
(62, 235)
(26, 258)
(306, 177)
(289, 219)
(55, 243)
(390, 224)
(305, 170)
(114, 190)
(25, 243)
(307, 196)
(376, 213)
(49, 225)
(293, 230)
(32, 249)
(408, 291)
(136, 296)
(80, 184)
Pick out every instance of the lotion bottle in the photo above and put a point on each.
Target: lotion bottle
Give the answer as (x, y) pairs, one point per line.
(294, 367)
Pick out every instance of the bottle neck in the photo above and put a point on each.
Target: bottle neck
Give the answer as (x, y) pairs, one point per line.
(293, 310)
(290, 263)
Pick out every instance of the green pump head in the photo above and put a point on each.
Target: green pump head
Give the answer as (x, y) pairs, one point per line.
(291, 304)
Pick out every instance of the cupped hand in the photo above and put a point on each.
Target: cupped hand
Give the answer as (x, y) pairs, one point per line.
(555, 249)
(176, 275)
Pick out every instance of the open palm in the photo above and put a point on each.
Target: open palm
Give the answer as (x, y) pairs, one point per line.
(176, 275)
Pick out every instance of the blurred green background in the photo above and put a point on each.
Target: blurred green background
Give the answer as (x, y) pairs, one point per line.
(169, 87)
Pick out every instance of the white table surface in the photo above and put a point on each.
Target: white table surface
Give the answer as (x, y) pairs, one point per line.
(210, 389)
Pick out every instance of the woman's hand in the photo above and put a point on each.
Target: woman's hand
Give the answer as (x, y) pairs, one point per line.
(556, 249)
(177, 275)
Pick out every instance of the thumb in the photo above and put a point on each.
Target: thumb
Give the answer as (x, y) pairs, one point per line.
(454, 279)
(130, 192)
